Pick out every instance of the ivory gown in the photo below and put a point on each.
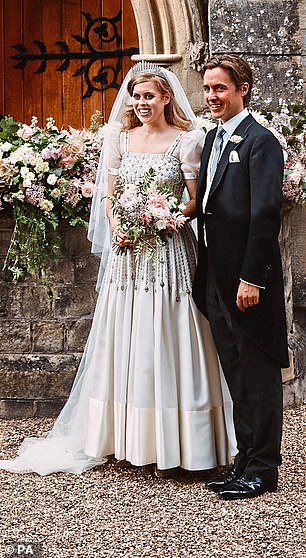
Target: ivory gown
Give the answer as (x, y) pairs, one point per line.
(149, 388)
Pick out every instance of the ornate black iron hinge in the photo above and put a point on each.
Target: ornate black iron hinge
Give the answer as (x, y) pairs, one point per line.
(107, 76)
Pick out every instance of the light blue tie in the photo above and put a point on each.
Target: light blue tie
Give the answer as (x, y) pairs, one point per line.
(217, 151)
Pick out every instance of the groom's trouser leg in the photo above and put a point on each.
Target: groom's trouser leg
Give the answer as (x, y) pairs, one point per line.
(254, 382)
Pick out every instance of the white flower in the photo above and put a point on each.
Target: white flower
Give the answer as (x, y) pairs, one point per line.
(50, 123)
(27, 182)
(34, 122)
(260, 118)
(25, 132)
(46, 206)
(172, 201)
(24, 171)
(52, 179)
(206, 124)
(5, 147)
(161, 224)
(22, 155)
(41, 166)
(236, 139)
(27, 176)
(182, 207)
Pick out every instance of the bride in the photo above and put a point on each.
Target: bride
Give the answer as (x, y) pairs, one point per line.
(149, 388)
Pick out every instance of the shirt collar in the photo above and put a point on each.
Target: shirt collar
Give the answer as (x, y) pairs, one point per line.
(231, 124)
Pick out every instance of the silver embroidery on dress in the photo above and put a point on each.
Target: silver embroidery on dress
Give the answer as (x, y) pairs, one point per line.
(175, 264)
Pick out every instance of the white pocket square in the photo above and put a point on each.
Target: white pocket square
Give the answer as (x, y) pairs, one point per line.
(234, 157)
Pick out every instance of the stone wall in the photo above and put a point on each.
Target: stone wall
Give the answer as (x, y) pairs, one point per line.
(302, 17)
(41, 341)
(295, 388)
(269, 35)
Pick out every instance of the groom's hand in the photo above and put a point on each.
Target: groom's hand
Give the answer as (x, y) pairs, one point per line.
(247, 296)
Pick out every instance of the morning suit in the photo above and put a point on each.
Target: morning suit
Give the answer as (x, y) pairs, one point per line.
(242, 222)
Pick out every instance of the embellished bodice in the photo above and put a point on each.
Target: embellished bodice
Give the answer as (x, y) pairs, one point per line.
(174, 266)
(167, 167)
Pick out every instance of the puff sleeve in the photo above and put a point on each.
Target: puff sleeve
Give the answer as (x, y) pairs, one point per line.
(112, 150)
(190, 152)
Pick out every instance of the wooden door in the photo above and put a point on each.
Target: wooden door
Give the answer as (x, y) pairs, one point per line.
(63, 58)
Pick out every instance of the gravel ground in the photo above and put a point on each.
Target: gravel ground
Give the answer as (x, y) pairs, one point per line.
(112, 512)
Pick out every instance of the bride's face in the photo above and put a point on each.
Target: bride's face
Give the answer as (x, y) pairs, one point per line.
(149, 103)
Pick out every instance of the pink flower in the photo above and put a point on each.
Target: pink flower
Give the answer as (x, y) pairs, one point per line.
(66, 162)
(128, 199)
(56, 193)
(25, 132)
(146, 219)
(158, 206)
(295, 177)
(51, 152)
(87, 190)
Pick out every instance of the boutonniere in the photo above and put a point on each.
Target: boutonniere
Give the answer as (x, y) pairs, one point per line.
(236, 139)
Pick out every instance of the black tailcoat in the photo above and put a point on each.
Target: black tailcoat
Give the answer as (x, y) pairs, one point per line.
(242, 222)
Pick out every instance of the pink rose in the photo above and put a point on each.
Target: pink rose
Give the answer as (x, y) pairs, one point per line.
(25, 132)
(87, 190)
(56, 193)
(158, 207)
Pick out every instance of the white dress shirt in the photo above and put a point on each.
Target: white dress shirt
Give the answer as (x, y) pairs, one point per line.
(229, 127)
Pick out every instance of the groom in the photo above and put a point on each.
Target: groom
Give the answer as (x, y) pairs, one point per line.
(238, 283)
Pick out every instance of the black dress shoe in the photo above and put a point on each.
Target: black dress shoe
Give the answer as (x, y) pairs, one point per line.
(247, 486)
(220, 482)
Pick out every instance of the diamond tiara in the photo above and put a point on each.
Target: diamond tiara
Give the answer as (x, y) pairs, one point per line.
(145, 67)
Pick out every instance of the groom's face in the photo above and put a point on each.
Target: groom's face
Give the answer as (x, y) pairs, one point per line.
(222, 97)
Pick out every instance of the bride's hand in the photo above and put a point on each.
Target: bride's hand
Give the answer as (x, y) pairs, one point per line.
(120, 238)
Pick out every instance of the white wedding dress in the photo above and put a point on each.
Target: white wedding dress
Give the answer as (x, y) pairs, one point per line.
(149, 388)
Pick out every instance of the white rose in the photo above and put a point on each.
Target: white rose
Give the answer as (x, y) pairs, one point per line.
(52, 179)
(236, 139)
(24, 171)
(6, 146)
(25, 132)
(161, 224)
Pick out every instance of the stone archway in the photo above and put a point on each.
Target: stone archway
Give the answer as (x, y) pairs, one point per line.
(173, 33)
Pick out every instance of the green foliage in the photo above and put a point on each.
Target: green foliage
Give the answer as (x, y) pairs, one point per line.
(46, 175)
(35, 242)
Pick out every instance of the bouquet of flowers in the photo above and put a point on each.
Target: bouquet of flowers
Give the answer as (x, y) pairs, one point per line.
(148, 213)
(288, 124)
(46, 175)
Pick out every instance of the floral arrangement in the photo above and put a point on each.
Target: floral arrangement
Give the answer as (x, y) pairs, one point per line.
(148, 213)
(46, 175)
(289, 126)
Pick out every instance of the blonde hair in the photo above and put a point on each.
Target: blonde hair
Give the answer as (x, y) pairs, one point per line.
(173, 113)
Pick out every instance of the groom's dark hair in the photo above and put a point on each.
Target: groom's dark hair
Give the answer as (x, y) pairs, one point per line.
(239, 70)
